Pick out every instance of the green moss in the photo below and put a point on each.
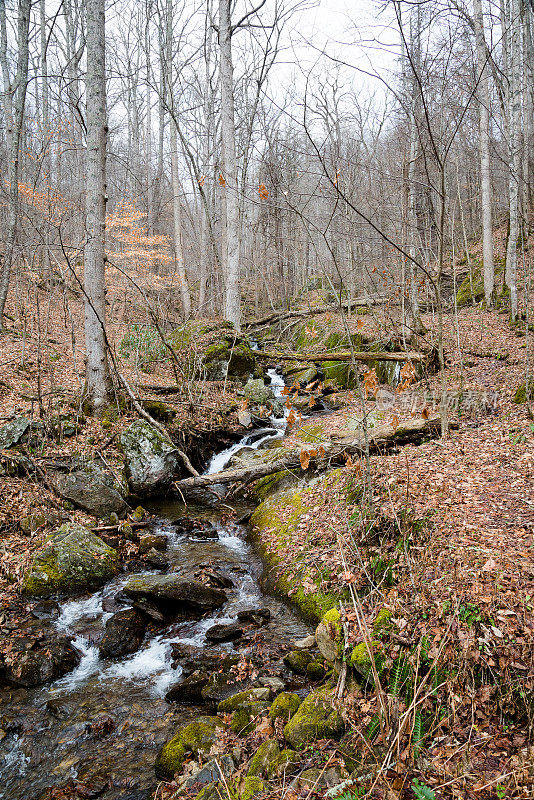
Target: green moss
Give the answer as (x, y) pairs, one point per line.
(297, 661)
(265, 760)
(316, 671)
(240, 699)
(267, 486)
(341, 373)
(241, 723)
(521, 394)
(159, 410)
(284, 706)
(251, 787)
(316, 718)
(360, 660)
(382, 621)
(313, 432)
(197, 738)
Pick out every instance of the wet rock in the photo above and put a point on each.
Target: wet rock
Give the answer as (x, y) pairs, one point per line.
(124, 634)
(152, 541)
(212, 576)
(72, 560)
(209, 661)
(180, 650)
(190, 689)
(205, 532)
(12, 432)
(150, 460)
(316, 718)
(316, 779)
(157, 560)
(58, 708)
(220, 686)
(297, 661)
(172, 593)
(272, 682)
(134, 565)
(225, 632)
(197, 739)
(254, 616)
(101, 726)
(150, 609)
(305, 644)
(46, 609)
(242, 699)
(41, 661)
(91, 489)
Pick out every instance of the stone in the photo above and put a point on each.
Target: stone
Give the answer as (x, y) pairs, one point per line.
(297, 661)
(243, 699)
(316, 718)
(12, 432)
(197, 739)
(144, 605)
(150, 460)
(211, 771)
(190, 689)
(157, 560)
(224, 632)
(304, 644)
(172, 593)
(254, 616)
(231, 356)
(284, 706)
(72, 560)
(90, 489)
(46, 609)
(258, 393)
(152, 541)
(360, 659)
(49, 659)
(271, 682)
(32, 523)
(316, 670)
(316, 779)
(220, 686)
(124, 634)
(264, 762)
(329, 636)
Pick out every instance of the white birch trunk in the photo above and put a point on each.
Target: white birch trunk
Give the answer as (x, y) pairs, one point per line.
(14, 100)
(97, 373)
(231, 252)
(515, 149)
(484, 154)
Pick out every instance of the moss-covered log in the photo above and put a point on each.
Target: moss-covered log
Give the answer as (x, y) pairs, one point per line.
(372, 355)
(330, 452)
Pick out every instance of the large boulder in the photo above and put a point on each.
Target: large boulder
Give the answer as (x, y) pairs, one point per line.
(316, 718)
(92, 489)
(258, 393)
(34, 662)
(173, 594)
(124, 633)
(150, 460)
(195, 739)
(231, 356)
(72, 560)
(329, 636)
(12, 432)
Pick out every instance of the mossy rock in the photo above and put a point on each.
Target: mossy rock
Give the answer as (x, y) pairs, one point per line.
(329, 636)
(316, 718)
(361, 663)
(159, 410)
(271, 484)
(316, 670)
(297, 661)
(243, 699)
(284, 706)
(340, 374)
(150, 459)
(520, 395)
(279, 516)
(257, 392)
(229, 356)
(264, 762)
(312, 432)
(196, 738)
(72, 560)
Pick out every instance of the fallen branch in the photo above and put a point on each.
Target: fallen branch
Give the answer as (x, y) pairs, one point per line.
(333, 452)
(374, 355)
(133, 525)
(280, 316)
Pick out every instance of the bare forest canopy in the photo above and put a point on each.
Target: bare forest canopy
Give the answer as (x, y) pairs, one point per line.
(227, 159)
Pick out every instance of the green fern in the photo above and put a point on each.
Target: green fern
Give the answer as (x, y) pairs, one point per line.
(422, 792)
(399, 675)
(373, 728)
(417, 733)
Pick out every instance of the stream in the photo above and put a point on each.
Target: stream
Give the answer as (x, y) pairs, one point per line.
(103, 723)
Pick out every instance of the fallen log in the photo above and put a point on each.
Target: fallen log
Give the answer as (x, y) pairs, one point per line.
(280, 316)
(375, 355)
(323, 454)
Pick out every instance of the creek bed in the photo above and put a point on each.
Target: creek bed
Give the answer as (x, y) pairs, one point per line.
(103, 723)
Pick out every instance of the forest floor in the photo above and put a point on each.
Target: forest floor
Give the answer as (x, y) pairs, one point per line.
(467, 583)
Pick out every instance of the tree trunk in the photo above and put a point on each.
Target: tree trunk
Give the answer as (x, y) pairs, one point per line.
(14, 100)
(484, 154)
(97, 371)
(231, 254)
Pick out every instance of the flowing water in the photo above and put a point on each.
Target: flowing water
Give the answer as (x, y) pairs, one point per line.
(103, 723)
